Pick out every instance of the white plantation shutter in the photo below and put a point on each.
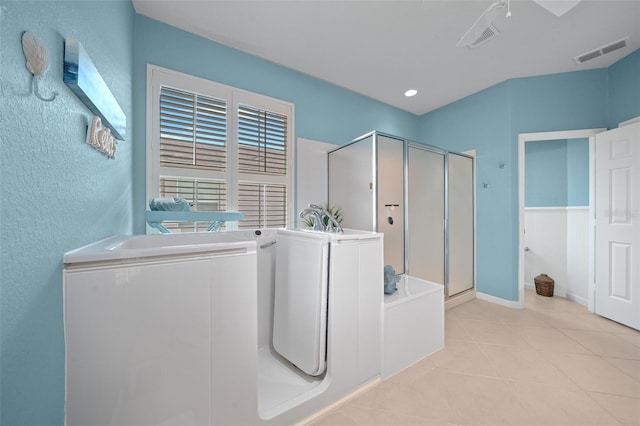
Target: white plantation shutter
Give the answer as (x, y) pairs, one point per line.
(220, 148)
(262, 141)
(203, 195)
(263, 205)
(262, 149)
(193, 130)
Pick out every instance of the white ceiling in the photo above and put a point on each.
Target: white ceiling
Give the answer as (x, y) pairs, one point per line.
(382, 48)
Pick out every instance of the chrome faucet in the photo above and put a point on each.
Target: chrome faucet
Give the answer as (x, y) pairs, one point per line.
(315, 214)
(318, 213)
(333, 225)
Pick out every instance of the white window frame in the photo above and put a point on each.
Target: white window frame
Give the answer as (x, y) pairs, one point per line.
(158, 77)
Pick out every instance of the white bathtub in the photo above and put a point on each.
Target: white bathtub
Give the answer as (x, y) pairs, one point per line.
(177, 329)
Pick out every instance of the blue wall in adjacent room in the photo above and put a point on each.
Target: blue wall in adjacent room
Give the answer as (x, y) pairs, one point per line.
(578, 172)
(557, 173)
(57, 192)
(323, 111)
(545, 169)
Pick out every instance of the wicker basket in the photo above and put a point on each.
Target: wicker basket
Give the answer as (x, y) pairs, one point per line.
(544, 285)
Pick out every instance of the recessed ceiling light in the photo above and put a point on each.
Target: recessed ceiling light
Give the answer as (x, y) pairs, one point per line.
(410, 92)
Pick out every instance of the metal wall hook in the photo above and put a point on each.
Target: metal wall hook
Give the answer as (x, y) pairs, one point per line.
(37, 62)
(36, 91)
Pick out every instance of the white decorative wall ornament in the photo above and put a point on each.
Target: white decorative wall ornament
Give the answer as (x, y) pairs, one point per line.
(37, 62)
(101, 139)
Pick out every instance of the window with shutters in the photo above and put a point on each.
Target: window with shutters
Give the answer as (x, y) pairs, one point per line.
(193, 130)
(220, 148)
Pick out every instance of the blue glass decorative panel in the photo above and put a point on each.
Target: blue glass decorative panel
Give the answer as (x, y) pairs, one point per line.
(83, 79)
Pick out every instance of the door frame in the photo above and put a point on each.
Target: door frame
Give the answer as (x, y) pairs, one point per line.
(542, 136)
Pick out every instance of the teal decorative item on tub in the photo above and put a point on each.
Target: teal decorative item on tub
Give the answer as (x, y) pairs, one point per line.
(390, 280)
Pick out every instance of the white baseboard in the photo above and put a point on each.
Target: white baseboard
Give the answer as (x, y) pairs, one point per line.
(513, 304)
(570, 296)
(578, 299)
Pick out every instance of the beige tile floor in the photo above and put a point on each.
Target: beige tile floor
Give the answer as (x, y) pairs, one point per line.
(552, 363)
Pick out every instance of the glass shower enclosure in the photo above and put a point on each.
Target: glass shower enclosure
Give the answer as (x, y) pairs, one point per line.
(422, 199)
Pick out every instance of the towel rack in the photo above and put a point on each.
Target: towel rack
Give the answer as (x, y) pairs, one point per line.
(155, 218)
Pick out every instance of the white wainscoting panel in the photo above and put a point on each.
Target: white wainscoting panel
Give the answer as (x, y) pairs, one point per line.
(578, 254)
(558, 238)
(546, 237)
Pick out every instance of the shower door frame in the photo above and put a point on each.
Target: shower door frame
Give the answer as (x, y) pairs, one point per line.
(375, 169)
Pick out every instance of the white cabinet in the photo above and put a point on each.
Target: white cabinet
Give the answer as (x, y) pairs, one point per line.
(134, 335)
(144, 338)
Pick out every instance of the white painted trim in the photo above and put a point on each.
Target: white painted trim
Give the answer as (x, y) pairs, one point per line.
(629, 121)
(577, 208)
(564, 208)
(540, 136)
(591, 285)
(513, 304)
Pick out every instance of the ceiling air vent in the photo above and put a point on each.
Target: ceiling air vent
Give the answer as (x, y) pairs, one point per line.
(482, 29)
(608, 48)
(488, 33)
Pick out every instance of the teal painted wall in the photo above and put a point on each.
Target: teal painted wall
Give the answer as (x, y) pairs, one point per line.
(545, 170)
(624, 89)
(57, 192)
(578, 172)
(557, 173)
(481, 122)
(323, 112)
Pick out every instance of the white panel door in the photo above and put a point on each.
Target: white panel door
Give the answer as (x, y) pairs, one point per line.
(617, 210)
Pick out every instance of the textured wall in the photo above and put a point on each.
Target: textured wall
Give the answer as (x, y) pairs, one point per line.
(58, 193)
